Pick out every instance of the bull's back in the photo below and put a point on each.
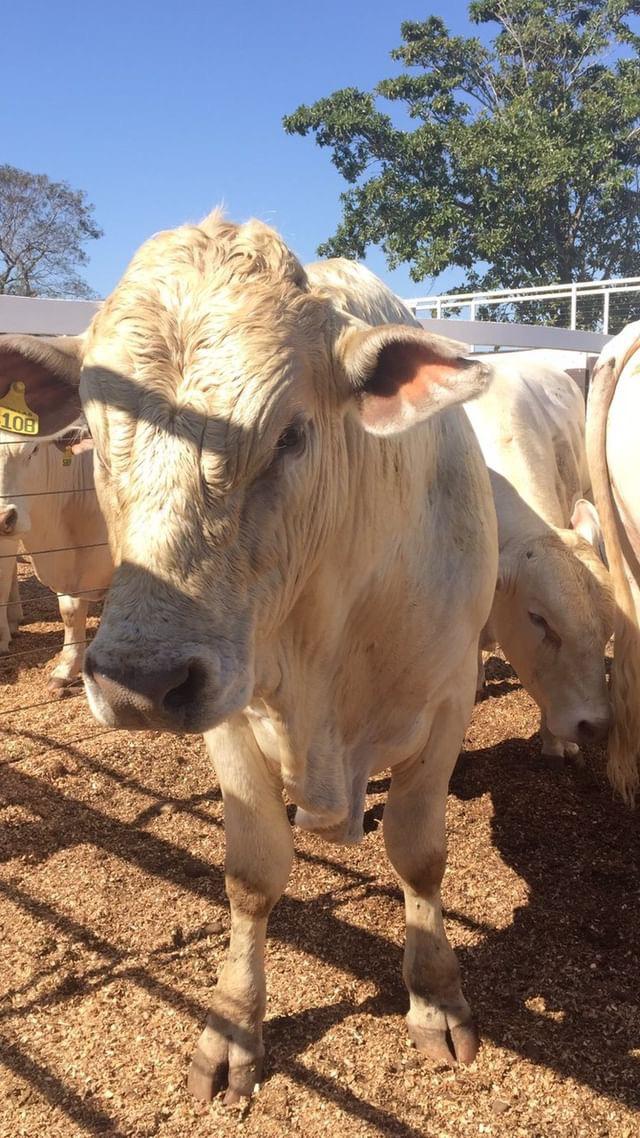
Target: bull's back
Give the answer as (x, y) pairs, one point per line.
(623, 451)
(612, 442)
(530, 425)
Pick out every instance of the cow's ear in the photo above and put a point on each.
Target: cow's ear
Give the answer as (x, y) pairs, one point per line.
(507, 571)
(400, 375)
(49, 369)
(585, 521)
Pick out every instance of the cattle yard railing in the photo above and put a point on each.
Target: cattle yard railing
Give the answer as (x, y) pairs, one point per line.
(44, 316)
(40, 316)
(49, 317)
(604, 306)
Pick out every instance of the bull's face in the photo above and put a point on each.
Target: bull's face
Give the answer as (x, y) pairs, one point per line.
(15, 485)
(227, 403)
(553, 615)
(211, 475)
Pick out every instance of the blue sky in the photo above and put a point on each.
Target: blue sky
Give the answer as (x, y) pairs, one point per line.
(161, 110)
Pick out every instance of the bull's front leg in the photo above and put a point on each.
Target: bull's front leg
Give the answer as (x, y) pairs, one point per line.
(553, 746)
(14, 610)
(439, 1019)
(258, 859)
(8, 588)
(480, 674)
(73, 611)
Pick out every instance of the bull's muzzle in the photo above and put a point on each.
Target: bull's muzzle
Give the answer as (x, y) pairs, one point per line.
(593, 731)
(145, 697)
(8, 520)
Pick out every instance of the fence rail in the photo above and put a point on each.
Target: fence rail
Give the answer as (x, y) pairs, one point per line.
(592, 297)
(46, 317)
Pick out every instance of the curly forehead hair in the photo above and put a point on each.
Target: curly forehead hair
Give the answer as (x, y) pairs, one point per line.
(169, 284)
(222, 251)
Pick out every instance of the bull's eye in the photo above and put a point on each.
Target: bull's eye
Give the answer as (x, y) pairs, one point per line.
(292, 441)
(549, 635)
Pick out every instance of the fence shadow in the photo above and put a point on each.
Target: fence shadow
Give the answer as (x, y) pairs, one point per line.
(557, 985)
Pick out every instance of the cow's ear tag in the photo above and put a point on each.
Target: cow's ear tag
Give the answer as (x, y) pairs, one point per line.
(67, 456)
(15, 416)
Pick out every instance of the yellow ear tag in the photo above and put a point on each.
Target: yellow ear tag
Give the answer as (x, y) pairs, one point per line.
(15, 416)
(67, 456)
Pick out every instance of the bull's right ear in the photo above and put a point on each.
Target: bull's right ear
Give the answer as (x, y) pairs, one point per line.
(585, 521)
(49, 368)
(400, 375)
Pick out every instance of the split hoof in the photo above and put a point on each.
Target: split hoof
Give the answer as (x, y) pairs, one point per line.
(59, 685)
(455, 1045)
(220, 1064)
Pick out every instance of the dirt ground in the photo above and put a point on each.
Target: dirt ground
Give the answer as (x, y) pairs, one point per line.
(113, 925)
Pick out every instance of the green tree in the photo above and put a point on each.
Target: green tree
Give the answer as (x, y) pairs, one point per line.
(43, 228)
(514, 159)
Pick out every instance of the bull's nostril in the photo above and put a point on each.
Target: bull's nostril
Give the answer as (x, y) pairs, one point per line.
(593, 730)
(186, 693)
(8, 519)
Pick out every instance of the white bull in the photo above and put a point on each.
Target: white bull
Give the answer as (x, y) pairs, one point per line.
(48, 502)
(298, 575)
(613, 446)
(553, 610)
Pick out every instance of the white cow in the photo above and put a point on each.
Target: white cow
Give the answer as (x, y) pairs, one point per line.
(48, 502)
(553, 610)
(613, 446)
(306, 553)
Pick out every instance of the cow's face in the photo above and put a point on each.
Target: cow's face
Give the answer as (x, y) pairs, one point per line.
(16, 488)
(227, 402)
(553, 615)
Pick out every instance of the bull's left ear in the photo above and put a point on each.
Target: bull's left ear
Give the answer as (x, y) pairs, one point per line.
(48, 370)
(400, 375)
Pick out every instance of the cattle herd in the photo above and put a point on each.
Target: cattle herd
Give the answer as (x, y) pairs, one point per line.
(288, 490)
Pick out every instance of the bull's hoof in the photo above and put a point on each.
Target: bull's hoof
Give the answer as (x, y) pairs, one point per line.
(220, 1064)
(455, 1045)
(59, 685)
(555, 749)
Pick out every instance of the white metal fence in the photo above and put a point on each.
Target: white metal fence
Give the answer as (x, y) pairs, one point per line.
(45, 317)
(602, 306)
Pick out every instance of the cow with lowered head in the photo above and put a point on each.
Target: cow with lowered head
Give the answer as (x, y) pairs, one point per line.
(305, 550)
(553, 609)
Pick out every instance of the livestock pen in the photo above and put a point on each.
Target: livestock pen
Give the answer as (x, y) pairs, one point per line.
(115, 924)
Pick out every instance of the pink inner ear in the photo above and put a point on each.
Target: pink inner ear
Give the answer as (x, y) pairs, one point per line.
(411, 368)
(427, 376)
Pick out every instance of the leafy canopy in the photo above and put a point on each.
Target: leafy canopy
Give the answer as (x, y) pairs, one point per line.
(515, 160)
(43, 228)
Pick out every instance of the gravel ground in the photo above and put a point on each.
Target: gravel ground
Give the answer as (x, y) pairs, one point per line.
(114, 925)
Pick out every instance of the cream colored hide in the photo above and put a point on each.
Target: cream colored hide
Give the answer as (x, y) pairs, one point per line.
(11, 612)
(553, 611)
(305, 556)
(613, 446)
(49, 504)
